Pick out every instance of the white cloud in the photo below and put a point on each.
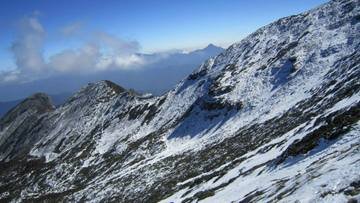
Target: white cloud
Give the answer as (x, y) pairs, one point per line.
(104, 51)
(75, 61)
(27, 48)
(71, 29)
(129, 60)
(10, 76)
(116, 45)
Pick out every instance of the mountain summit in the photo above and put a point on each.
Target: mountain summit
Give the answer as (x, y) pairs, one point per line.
(274, 118)
(210, 49)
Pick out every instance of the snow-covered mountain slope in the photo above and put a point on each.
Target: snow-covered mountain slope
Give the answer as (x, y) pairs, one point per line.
(273, 118)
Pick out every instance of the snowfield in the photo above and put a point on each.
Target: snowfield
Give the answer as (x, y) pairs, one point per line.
(274, 118)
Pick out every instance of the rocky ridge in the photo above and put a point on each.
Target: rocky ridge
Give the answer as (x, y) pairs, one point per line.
(274, 118)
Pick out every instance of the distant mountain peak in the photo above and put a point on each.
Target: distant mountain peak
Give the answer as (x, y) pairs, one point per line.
(100, 92)
(211, 45)
(35, 104)
(115, 87)
(40, 102)
(209, 49)
(102, 86)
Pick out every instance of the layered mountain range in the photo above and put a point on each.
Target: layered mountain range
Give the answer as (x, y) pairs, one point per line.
(274, 118)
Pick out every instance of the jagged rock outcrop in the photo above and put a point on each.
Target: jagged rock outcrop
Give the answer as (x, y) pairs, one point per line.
(274, 118)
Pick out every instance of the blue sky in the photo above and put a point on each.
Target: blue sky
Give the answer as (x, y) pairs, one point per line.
(157, 25)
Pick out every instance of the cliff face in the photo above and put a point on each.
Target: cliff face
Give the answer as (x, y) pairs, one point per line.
(274, 117)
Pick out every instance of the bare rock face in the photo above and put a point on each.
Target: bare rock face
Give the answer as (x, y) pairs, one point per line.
(274, 118)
